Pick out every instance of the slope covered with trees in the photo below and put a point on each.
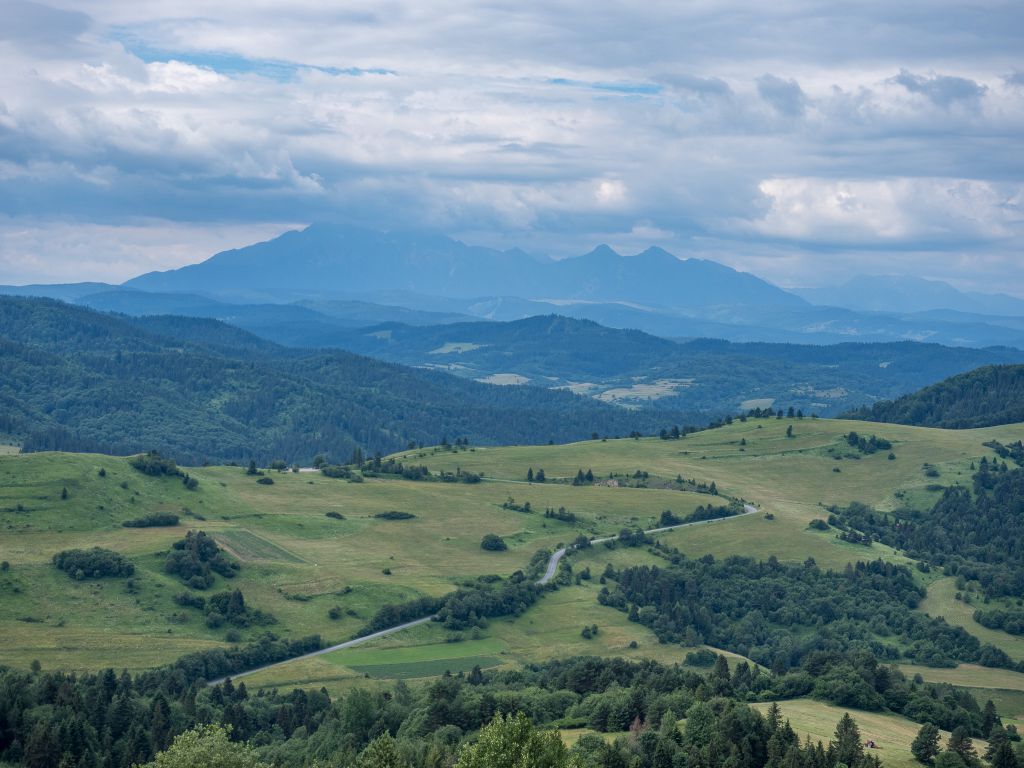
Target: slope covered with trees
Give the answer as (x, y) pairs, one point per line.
(985, 397)
(200, 390)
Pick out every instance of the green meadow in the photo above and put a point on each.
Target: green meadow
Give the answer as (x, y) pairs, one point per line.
(892, 734)
(298, 564)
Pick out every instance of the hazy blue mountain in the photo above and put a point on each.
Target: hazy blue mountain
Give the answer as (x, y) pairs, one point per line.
(311, 324)
(904, 293)
(327, 260)
(62, 291)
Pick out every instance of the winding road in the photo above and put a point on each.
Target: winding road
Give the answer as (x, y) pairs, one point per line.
(556, 557)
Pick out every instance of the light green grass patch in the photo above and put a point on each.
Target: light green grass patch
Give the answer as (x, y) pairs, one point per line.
(941, 601)
(456, 347)
(247, 546)
(892, 733)
(429, 668)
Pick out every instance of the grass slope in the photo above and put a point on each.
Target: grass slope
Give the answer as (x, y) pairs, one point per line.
(892, 734)
(297, 563)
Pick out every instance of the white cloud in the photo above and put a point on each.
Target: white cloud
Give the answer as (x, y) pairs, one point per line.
(889, 211)
(554, 125)
(114, 253)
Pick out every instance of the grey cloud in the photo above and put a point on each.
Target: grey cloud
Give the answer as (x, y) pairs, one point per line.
(786, 96)
(40, 26)
(701, 86)
(943, 90)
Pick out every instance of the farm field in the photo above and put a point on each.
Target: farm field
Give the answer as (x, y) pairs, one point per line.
(298, 564)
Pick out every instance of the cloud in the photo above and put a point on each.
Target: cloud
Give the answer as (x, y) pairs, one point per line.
(939, 212)
(114, 253)
(943, 90)
(785, 96)
(536, 125)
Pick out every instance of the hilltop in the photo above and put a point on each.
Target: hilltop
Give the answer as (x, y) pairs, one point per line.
(993, 394)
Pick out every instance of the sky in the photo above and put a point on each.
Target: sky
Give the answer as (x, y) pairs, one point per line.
(803, 141)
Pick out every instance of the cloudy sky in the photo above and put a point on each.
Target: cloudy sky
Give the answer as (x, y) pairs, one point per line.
(805, 143)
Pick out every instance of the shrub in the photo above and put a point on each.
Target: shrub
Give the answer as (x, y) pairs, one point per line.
(394, 515)
(187, 600)
(154, 464)
(95, 563)
(152, 520)
(196, 558)
(818, 524)
(266, 481)
(493, 543)
(701, 658)
(334, 515)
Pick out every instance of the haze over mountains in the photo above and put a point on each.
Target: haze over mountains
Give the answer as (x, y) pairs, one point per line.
(302, 287)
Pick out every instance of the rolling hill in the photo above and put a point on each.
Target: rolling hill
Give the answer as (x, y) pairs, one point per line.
(637, 369)
(984, 397)
(75, 379)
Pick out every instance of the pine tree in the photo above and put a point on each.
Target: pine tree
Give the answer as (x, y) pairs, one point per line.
(925, 747)
(1005, 757)
(961, 744)
(848, 746)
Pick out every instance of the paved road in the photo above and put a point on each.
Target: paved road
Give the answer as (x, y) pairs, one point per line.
(322, 651)
(748, 509)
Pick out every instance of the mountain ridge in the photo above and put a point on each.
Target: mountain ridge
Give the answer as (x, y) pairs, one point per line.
(328, 260)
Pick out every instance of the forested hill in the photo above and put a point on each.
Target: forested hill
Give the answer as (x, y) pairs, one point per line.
(983, 397)
(200, 390)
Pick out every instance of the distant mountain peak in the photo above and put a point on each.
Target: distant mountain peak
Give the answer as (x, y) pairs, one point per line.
(331, 260)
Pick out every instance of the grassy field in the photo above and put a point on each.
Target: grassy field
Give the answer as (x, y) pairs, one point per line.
(297, 563)
(1004, 688)
(941, 601)
(793, 478)
(892, 734)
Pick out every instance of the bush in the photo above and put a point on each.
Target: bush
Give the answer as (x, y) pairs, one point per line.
(196, 558)
(154, 464)
(187, 600)
(334, 515)
(152, 520)
(493, 543)
(701, 658)
(266, 481)
(394, 515)
(95, 563)
(818, 525)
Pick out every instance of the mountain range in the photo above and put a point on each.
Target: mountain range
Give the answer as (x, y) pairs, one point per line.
(303, 287)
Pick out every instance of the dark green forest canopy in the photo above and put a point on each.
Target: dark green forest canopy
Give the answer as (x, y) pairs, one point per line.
(984, 397)
(199, 390)
(777, 614)
(109, 719)
(974, 533)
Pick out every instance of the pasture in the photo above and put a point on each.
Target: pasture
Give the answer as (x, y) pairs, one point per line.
(299, 564)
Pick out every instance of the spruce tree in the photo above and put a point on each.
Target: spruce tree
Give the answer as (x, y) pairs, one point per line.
(848, 746)
(925, 747)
